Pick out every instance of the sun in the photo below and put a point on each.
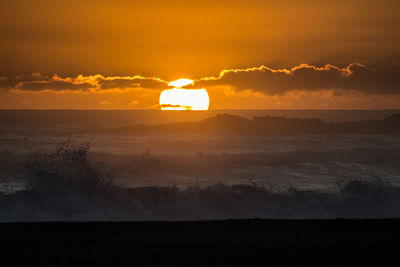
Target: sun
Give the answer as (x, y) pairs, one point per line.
(184, 99)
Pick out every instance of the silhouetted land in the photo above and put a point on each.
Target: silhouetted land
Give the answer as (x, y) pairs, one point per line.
(225, 123)
(213, 243)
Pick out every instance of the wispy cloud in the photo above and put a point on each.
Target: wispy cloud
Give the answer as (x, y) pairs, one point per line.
(134, 102)
(105, 102)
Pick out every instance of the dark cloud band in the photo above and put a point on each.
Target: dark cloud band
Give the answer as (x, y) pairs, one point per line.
(354, 77)
(36, 83)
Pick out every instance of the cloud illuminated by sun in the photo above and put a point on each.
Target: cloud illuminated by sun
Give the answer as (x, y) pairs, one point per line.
(180, 83)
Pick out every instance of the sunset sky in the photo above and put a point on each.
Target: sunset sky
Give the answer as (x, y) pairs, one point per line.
(253, 54)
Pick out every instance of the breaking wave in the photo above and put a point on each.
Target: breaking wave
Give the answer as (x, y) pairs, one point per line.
(65, 185)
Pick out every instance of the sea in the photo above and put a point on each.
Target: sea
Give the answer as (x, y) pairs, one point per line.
(304, 161)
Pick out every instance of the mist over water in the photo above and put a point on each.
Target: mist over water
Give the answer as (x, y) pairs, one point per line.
(164, 175)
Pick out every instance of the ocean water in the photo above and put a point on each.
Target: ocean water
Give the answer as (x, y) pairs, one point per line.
(308, 162)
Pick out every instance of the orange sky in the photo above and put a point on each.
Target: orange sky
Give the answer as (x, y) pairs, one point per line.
(160, 41)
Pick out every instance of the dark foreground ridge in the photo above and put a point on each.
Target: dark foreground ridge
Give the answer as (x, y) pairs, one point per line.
(225, 123)
(211, 243)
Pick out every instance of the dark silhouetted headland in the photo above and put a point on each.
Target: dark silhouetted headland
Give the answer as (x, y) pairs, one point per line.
(225, 123)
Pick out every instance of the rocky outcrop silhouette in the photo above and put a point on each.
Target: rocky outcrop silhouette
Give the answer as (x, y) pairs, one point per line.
(225, 123)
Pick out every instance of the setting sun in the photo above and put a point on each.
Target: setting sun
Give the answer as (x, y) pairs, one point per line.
(184, 99)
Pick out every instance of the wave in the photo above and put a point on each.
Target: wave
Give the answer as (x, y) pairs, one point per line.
(65, 185)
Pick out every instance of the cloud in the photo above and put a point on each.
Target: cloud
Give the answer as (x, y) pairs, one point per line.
(175, 106)
(263, 80)
(128, 82)
(354, 77)
(37, 82)
(55, 83)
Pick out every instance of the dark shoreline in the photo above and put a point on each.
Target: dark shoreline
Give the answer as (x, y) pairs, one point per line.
(199, 243)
